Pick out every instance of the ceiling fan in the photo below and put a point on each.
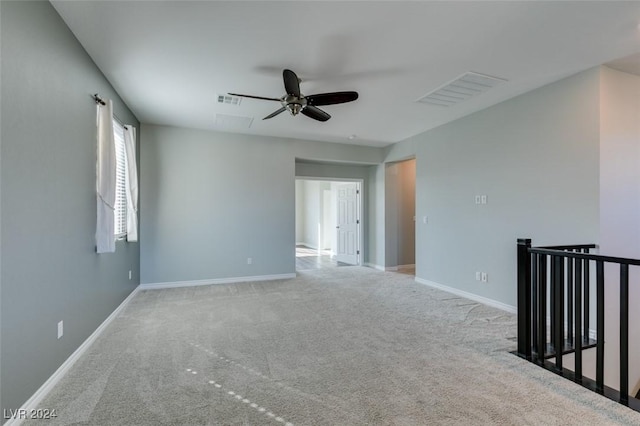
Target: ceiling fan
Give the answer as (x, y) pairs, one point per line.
(295, 102)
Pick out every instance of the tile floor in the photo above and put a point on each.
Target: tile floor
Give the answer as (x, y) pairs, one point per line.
(308, 258)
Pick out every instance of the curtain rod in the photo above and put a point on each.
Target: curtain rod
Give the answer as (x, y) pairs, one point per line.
(99, 100)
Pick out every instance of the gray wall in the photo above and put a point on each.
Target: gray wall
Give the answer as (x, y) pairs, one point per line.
(300, 220)
(335, 171)
(49, 268)
(536, 157)
(376, 216)
(210, 200)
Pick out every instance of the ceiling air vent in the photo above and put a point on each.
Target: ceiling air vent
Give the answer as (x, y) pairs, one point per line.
(227, 121)
(462, 88)
(229, 100)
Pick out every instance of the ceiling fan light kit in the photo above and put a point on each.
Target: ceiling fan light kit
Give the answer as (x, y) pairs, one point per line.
(295, 102)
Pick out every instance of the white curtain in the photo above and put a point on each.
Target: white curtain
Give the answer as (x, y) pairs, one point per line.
(106, 180)
(132, 182)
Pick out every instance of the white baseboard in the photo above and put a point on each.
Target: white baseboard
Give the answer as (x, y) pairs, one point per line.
(489, 302)
(374, 266)
(400, 267)
(194, 283)
(406, 267)
(307, 245)
(38, 396)
(467, 295)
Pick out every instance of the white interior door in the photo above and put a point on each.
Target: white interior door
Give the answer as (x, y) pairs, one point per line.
(348, 223)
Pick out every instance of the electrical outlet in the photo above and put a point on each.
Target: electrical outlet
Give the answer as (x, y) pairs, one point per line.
(425, 219)
(478, 199)
(60, 329)
(483, 199)
(478, 276)
(249, 261)
(129, 273)
(485, 277)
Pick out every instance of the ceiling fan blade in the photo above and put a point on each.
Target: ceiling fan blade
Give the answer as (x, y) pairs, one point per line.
(273, 114)
(255, 97)
(291, 83)
(331, 98)
(315, 113)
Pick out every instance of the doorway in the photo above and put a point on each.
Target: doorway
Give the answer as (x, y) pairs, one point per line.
(400, 216)
(328, 223)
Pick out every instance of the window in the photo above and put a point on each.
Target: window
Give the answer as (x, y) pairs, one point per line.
(120, 210)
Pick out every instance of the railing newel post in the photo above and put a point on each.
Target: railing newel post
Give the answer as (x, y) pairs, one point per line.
(524, 298)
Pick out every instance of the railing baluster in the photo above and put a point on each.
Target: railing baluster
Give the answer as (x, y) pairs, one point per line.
(586, 277)
(542, 306)
(570, 300)
(534, 301)
(558, 290)
(578, 319)
(624, 333)
(552, 300)
(600, 326)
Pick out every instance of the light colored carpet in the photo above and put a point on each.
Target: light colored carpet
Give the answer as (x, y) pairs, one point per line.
(341, 346)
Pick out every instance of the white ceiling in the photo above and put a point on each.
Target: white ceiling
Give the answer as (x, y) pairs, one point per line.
(169, 60)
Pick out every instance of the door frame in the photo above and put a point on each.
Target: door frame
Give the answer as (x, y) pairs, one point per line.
(360, 206)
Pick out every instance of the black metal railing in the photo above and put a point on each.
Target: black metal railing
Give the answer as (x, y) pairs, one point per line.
(554, 306)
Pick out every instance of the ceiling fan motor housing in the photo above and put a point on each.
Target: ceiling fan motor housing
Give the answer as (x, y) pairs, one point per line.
(294, 104)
